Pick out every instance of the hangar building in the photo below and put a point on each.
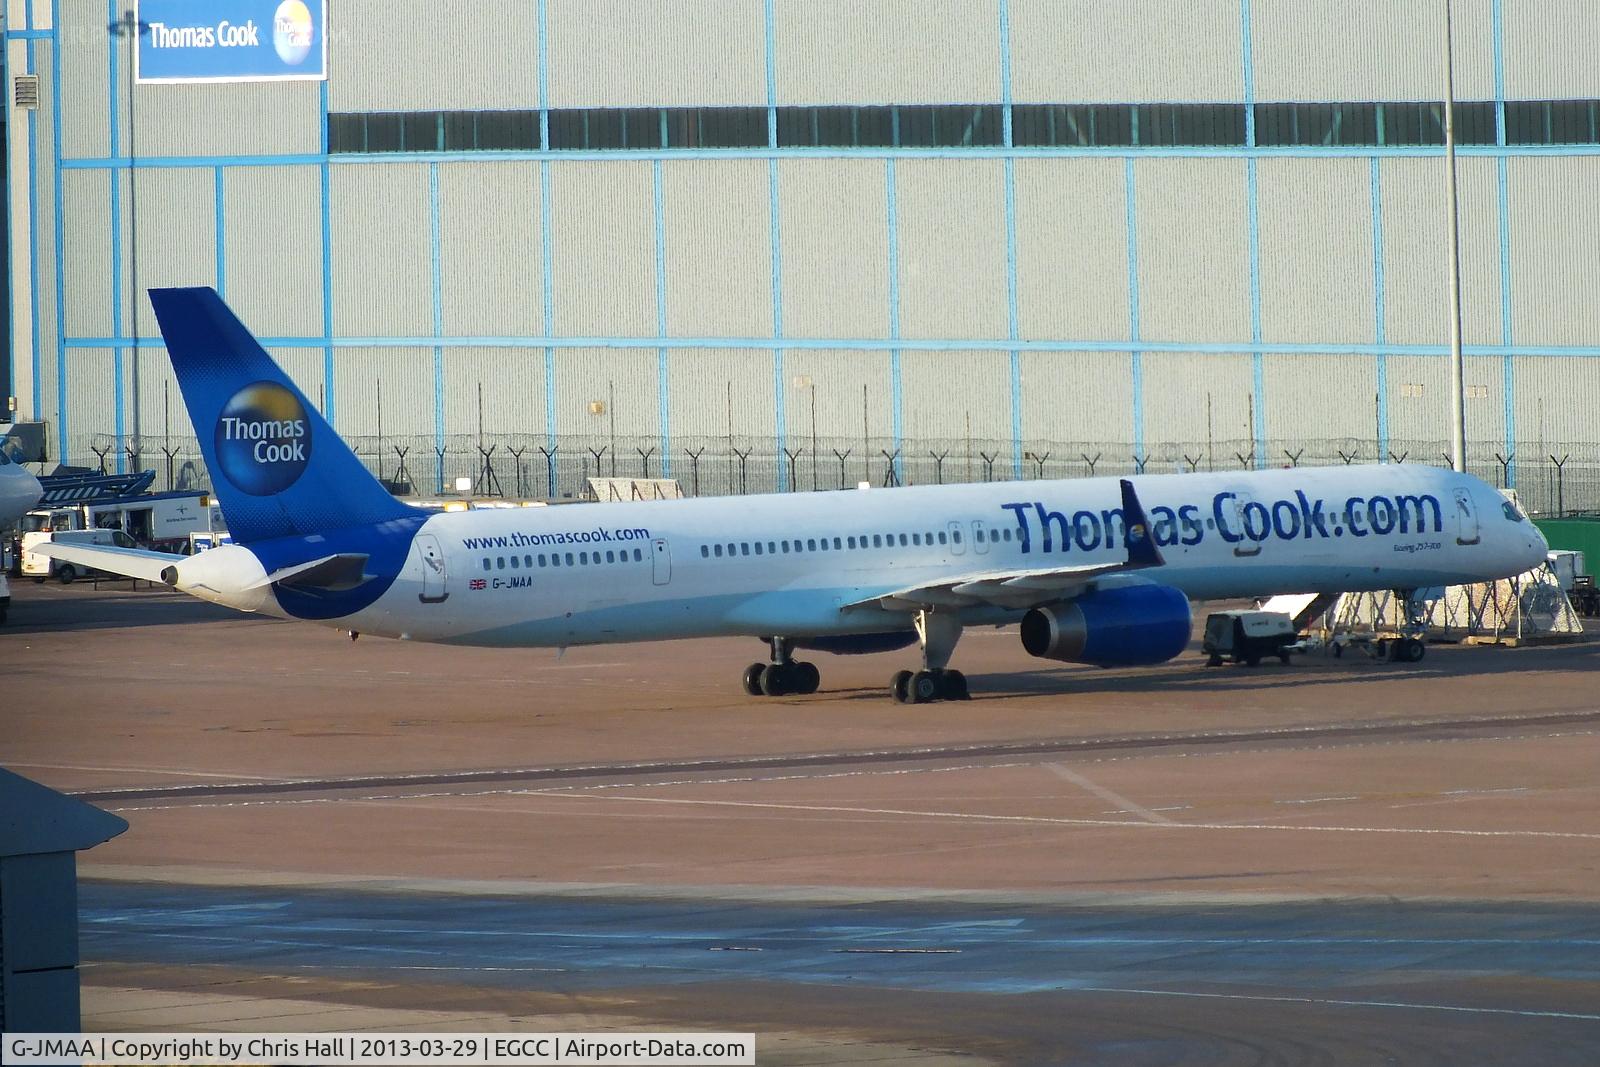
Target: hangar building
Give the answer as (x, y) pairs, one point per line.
(763, 244)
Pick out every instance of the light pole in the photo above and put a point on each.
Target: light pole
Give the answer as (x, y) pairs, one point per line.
(1458, 414)
(130, 27)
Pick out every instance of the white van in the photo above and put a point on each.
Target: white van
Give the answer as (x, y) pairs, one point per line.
(39, 567)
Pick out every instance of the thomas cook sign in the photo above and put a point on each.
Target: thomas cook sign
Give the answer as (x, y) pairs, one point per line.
(232, 40)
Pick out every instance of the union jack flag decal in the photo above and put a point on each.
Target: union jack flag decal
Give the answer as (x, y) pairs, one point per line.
(478, 583)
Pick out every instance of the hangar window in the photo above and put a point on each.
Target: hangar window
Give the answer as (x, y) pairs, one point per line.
(1553, 122)
(900, 126)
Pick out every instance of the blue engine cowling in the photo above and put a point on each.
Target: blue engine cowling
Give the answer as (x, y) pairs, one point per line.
(1126, 627)
(858, 644)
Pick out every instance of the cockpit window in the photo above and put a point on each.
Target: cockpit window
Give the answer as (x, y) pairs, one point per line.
(1511, 511)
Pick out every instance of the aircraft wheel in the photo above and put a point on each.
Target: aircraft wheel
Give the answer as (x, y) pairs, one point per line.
(66, 574)
(752, 678)
(955, 686)
(778, 680)
(1415, 650)
(925, 687)
(900, 688)
(807, 677)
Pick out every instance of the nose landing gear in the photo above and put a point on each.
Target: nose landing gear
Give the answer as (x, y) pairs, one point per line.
(784, 676)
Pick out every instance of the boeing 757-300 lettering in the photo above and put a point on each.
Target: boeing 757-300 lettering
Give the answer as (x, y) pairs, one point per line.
(1098, 571)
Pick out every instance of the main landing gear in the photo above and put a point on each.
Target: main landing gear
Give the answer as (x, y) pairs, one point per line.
(784, 676)
(939, 634)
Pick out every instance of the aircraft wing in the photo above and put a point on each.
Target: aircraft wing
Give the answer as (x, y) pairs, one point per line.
(1027, 587)
(130, 562)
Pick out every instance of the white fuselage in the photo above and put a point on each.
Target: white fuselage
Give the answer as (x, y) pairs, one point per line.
(19, 491)
(790, 564)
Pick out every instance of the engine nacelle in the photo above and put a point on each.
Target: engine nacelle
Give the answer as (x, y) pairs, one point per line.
(1124, 627)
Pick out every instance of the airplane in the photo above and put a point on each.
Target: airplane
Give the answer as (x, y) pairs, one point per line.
(19, 490)
(1098, 571)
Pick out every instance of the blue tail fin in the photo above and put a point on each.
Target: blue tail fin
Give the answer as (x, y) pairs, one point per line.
(277, 467)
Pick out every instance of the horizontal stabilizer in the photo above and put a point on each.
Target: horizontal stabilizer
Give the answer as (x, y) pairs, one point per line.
(128, 562)
(329, 574)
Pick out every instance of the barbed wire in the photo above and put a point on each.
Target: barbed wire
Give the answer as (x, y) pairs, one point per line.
(1551, 479)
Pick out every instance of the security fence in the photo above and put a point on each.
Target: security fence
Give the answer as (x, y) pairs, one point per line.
(1560, 479)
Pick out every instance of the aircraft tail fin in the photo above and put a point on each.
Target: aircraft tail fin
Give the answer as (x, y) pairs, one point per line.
(277, 467)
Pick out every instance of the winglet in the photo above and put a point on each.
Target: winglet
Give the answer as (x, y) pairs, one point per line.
(1139, 538)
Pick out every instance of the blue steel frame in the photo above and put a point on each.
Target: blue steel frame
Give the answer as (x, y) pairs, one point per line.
(1013, 344)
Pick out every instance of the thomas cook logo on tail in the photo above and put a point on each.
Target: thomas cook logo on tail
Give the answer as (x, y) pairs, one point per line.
(263, 439)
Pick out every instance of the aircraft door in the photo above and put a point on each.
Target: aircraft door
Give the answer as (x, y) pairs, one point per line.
(958, 544)
(1249, 546)
(980, 537)
(431, 556)
(660, 561)
(1467, 532)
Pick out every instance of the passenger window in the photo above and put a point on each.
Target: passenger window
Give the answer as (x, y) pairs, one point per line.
(705, 552)
(758, 548)
(542, 560)
(744, 549)
(1211, 524)
(877, 540)
(902, 540)
(916, 539)
(785, 545)
(851, 541)
(837, 544)
(1006, 533)
(811, 544)
(569, 559)
(719, 551)
(733, 550)
(527, 561)
(638, 555)
(772, 548)
(583, 557)
(955, 535)
(500, 563)
(611, 557)
(942, 538)
(486, 563)
(513, 562)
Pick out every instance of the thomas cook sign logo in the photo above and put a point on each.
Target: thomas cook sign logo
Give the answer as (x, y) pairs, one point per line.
(263, 439)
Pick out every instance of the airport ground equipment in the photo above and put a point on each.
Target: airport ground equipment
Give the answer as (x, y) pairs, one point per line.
(154, 520)
(1528, 608)
(1248, 637)
(40, 833)
(1585, 597)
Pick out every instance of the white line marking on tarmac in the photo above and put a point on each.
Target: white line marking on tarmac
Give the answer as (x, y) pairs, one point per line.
(1314, 800)
(1343, 1003)
(1110, 796)
(1052, 820)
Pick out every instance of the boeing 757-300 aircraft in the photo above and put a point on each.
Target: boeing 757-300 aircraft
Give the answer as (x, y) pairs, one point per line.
(1096, 571)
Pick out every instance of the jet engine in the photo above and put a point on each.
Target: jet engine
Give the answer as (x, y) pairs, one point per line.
(1124, 627)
